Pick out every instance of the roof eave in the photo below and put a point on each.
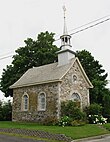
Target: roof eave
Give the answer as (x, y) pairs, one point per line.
(86, 77)
(33, 84)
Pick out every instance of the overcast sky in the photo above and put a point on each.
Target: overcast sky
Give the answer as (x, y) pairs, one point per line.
(20, 19)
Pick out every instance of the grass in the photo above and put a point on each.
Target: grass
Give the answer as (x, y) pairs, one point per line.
(87, 130)
(107, 126)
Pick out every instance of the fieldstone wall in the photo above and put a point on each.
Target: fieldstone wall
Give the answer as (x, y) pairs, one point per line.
(68, 86)
(37, 133)
(52, 103)
(55, 93)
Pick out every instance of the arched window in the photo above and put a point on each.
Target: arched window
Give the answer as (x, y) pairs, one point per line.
(74, 78)
(75, 97)
(42, 102)
(25, 102)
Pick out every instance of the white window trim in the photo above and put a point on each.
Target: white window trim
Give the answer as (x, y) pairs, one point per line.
(39, 105)
(23, 105)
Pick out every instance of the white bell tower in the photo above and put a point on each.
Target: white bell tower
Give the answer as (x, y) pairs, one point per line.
(66, 53)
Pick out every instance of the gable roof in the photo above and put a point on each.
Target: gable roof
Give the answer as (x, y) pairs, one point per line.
(46, 74)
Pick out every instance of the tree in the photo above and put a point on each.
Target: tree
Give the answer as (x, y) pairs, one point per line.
(33, 54)
(42, 51)
(106, 104)
(95, 73)
(5, 111)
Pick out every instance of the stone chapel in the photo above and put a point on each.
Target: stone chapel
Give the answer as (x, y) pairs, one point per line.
(38, 94)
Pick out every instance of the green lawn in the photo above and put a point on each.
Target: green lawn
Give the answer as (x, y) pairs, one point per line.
(73, 132)
(107, 126)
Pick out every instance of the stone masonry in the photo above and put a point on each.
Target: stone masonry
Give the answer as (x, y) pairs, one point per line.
(68, 86)
(55, 94)
(33, 114)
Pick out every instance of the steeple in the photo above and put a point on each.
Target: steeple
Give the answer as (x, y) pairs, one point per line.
(65, 38)
(66, 53)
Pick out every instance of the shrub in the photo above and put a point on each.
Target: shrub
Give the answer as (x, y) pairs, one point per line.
(65, 121)
(94, 109)
(94, 114)
(78, 115)
(67, 108)
(97, 119)
(72, 110)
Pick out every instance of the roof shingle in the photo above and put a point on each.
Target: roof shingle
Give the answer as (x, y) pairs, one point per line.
(42, 74)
